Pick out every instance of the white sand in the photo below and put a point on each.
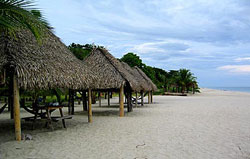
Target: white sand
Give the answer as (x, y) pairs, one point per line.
(213, 124)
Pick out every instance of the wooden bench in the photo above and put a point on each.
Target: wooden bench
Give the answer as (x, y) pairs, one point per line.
(49, 119)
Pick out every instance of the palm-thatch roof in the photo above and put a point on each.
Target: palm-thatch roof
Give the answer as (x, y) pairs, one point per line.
(110, 70)
(144, 86)
(43, 66)
(151, 84)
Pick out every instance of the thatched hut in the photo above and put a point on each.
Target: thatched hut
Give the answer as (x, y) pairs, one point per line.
(143, 84)
(153, 87)
(45, 65)
(112, 73)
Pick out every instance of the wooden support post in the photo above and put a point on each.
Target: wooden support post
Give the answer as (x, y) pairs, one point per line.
(73, 102)
(142, 96)
(69, 104)
(108, 98)
(89, 106)
(149, 97)
(79, 101)
(10, 97)
(126, 97)
(136, 99)
(129, 101)
(16, 109)
(121, 102)
(84, 101)
(100, 99)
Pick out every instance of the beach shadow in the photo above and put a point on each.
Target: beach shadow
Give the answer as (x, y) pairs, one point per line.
(98, 113)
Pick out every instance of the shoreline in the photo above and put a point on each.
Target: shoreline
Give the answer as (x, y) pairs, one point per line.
(222, 89)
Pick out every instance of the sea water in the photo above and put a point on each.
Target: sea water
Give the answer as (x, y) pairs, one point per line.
(238, 89)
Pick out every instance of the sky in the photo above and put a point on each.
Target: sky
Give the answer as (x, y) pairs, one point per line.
(209, 37)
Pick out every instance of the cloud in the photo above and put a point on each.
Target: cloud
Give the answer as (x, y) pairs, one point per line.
(242, 59)
(196, 34)
(236, 68)
(160, 47)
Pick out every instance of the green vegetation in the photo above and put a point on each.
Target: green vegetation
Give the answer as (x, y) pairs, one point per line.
(21, 14)
(81, 51)
(175, 80)
(132, 59)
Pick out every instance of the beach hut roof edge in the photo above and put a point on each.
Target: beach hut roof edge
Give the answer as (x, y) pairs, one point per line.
(153, 86)
(144, 85)
(110, 70)
(44, 65)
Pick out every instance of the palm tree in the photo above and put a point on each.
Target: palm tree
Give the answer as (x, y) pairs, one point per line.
(185, 79)
(173, 76)
(16, 15)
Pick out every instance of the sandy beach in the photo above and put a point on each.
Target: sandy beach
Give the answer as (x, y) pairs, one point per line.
(211, 125)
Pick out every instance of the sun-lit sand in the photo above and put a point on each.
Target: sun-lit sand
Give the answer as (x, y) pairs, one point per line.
(213, 124)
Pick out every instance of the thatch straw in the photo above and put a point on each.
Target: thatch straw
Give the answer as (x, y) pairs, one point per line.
(151, 84)
(43, 66)
(144, 86)
(110, 70)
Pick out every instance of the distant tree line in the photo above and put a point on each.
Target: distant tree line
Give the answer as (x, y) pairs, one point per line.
(181, 80)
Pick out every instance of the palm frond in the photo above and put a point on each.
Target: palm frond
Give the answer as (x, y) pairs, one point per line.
(22, 14)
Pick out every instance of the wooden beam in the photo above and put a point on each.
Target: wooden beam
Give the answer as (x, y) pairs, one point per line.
(121, 101)
(73, 102)
(130, 106)
(69, 102)
(16, 109)
(89, 106)
(126, 97)
(136, 99)
(84, 101)
(10, 97)
(142, 96)
(149, 97)
(100, 99)
(108, 98)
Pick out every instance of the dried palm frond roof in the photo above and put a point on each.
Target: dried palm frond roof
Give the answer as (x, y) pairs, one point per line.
(152, 85)
(138, 77)
(109, 70)
(43, 66)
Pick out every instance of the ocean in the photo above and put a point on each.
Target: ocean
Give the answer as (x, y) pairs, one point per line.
(239, 89)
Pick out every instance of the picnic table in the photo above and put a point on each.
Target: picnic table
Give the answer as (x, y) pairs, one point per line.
(47, 115)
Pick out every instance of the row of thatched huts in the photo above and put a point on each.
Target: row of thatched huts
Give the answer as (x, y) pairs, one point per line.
(30, 65)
